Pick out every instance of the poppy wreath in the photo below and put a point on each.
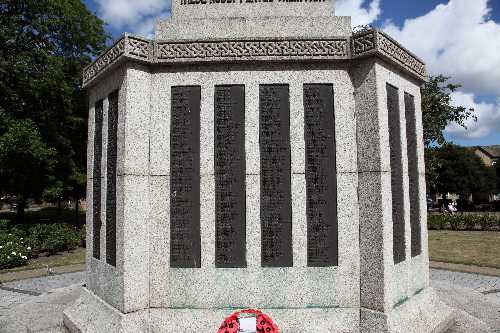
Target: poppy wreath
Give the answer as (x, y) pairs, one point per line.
(264, 323)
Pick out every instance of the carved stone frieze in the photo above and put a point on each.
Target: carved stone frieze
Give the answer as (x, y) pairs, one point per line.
(393, 50)
(133, 47)
(369, 42)
(139, 47)
(104, 61)
(364, 43)
(309, 49)
(373, 41)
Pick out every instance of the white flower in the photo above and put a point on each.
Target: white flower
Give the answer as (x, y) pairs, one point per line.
(8, 257)
(28, 248)
(14, 253)
(24, 257)
(1, 247)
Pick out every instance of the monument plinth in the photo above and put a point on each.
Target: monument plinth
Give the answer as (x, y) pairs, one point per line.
(256, 155)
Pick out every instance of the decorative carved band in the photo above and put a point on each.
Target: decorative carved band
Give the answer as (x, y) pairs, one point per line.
(374, 41)
(133, 47)
(392, 49)
(364, 43)
(332, 49)
(104, 61)
(139, 48)
(367, 42)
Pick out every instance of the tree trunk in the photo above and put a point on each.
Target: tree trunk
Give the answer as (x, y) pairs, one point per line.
(21, 206)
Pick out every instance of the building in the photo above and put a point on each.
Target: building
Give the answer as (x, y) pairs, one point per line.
(490, 155)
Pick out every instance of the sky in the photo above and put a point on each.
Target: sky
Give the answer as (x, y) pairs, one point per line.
(456, 38)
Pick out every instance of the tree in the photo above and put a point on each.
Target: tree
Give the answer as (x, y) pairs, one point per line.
(432, 166)
(437, 112)
(460, 171)
(27, 163)
(44, 46)
(497, 168)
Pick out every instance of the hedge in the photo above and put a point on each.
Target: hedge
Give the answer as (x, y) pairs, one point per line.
(470, 222)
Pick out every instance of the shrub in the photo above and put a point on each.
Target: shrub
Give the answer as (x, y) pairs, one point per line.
(82, 233)
(470, 222)
(4, 225)
(486, 222)
(54, 238)
(463, 221)
(14, 250)
(436, 222)
(456, 222)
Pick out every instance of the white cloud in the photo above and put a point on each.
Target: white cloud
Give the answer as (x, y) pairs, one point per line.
(361, 15)
(136, 16)
(458, 39)
(488, 118)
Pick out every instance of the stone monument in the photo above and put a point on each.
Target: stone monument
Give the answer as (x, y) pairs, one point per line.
(256, 154)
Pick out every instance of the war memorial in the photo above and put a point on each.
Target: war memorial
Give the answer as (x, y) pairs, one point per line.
(256, 155)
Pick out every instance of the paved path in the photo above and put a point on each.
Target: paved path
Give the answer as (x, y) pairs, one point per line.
(489, 286)
(476, 296)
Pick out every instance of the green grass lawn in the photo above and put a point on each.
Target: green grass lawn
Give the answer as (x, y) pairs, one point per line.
(480, 248)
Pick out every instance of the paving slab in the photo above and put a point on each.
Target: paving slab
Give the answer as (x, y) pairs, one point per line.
(489, 286)
(39, 313)
(47, 283)
(491, 271)
(40, 272)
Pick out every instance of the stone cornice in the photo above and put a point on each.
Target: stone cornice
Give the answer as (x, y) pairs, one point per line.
(367, 43)
(127, 46)
(375, 42)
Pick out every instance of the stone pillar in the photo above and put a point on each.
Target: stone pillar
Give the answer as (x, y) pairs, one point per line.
(394, 258)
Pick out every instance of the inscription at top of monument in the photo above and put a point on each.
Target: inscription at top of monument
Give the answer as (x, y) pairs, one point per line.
(195, 9)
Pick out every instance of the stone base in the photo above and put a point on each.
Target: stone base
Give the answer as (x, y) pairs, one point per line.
(90, 314)
(423, 313)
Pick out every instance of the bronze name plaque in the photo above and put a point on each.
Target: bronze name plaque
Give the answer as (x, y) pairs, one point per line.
(230, 207)
(275, 180)
(96, 181)
(185, 250)
(111, 179)
(412, 149)
(398, 218)
(321, 178)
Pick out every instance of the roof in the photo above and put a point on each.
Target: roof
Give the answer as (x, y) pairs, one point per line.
(492, 151)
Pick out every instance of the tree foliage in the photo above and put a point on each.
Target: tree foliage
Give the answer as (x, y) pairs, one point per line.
(459, 170)
(497, 168)
(26, 159)
(437, 111)
(44, 46)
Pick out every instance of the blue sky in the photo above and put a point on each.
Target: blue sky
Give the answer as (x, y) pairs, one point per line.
(458, 38)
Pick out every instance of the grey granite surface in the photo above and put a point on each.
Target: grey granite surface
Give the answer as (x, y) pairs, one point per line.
(479, 311)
